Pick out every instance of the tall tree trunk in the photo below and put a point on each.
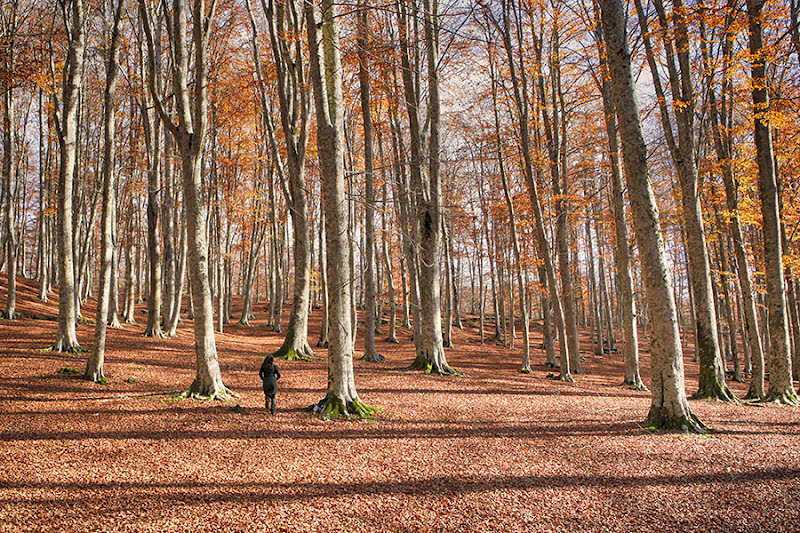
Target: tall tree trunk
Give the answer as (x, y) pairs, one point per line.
(522, 102)
(630, 349)
(326, 75)
(67, 129)
(94, 365)
(370, 312)
(285, 22)
(169, 231)
(9, 176)
(781, 387)
(426, 187)
(669, 407)
(152, 128)
(189, 134)
(712, 376)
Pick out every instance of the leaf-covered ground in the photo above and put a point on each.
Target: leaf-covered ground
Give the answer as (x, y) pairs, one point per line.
(494, 451)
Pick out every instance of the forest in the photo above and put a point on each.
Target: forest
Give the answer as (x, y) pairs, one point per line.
(514, 202)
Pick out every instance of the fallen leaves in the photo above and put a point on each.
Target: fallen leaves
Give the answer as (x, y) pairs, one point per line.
(497, 451)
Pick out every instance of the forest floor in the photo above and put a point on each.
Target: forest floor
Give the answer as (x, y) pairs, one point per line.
(495, 450)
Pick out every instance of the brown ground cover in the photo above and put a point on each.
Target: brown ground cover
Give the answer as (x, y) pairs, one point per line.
(494, 451)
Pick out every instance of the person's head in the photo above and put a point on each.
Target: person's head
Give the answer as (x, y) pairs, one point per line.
(269, 360)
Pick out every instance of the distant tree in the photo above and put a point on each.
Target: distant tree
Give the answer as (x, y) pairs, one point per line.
(781, 387)
(370, 313)
(9, 26)
(94, 365)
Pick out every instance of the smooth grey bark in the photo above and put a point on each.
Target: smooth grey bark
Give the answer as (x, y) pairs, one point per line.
(8, 168)
(426, 188)
(556, 150)
(284, 21)
(66, 121)
(95, 364)
(152, 129)
(522, 101)
(669, 407)
(189, 133)
(173, 283)
(781, 387)
(677, 53)
(630, 348)
(523, 306)
(370, 312)
(341, 398)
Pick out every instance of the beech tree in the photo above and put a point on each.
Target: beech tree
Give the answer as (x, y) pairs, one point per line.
(341, 398)
(683, 152)
(370, 313)
(8, 32)
(627, 302)
(425, 185)
(669, 407)
(189, 133)
(285, 23)
(66, 123)
(781, 387)
(94, 365)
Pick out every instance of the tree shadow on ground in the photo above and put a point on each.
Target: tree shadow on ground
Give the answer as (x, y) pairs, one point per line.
(199, 493)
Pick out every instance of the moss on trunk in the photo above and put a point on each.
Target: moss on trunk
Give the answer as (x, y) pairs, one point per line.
(332, 407)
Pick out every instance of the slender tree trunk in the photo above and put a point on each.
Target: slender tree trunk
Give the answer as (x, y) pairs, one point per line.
(190, 133)
(630, 333)
(9, 184)
(326, 75)
(669, 407)
(781, 387)
(712, 376)
(67, 128)
(522, 101)
(370, 311)
(152, 129)
(94, 365)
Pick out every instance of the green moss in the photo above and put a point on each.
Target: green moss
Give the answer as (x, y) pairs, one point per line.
(333, 407)
(68, 370)
(783, 398)
(132, 381)
(223, 394)
(292, 355)
(686, 424)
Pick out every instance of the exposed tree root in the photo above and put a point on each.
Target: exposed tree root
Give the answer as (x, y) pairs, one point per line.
(717, 391)
(656, 420)
(374, 357)
(427, 367)
(62, 347)
(221, 393)
(155, 333)
(525, 370)
(566, 379)
(634, 385)
(392, 340)
(292, 354)
(96, 376)
(783, 398)
(332, 407)
(322, 343)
